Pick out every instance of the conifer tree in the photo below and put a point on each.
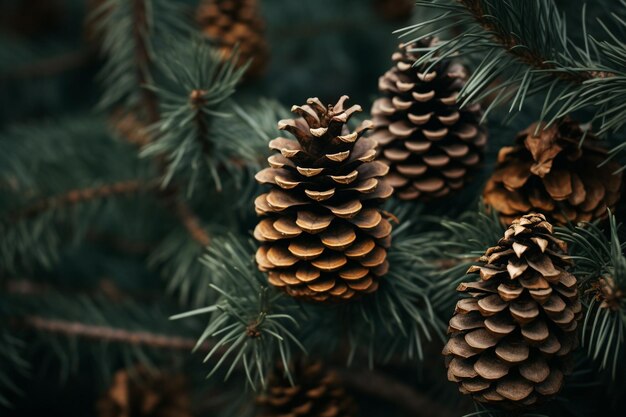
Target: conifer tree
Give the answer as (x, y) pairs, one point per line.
(181, 236)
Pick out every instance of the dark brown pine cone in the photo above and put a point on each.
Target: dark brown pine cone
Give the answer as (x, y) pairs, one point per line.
(142, 394)
(551, 174)
(511, 339)
(323, 236)
(316, 393)
(236, 22)
(430, 144)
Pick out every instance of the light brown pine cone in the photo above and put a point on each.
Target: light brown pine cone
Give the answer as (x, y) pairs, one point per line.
(323, 236)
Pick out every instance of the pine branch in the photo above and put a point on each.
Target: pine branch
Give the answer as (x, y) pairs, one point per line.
(522, 49)
(12, 362)
(142, 57)
(600, 266)
(526, 55)
(46, 201)
(112, 334)
(252, 322)
(191, 222)
(83, 195)
(193, 136)
(130, 32)
(72, 327)
(197, 101)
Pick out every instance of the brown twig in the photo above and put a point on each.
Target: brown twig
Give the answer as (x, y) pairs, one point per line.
(393, 391)
(191, 222)
(525, 55)
(106, 287)
(112, 334)
(77, 196)
(368, 382)
(196, 100)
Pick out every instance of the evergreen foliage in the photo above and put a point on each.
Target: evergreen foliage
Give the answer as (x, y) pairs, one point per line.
(600, 263)
(116, 252)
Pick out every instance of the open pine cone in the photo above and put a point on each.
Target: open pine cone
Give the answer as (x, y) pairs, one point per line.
(236, 22)
(511, 339)
(323, 236)
(143, 394)
(316, 393)
(551, 174)
(430, 144)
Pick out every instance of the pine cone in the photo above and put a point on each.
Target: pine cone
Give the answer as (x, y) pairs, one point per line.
(143, 394)
(316, 393)
(323, 236)
(430, 144)
(512, 338)
(236, 22)
(551, 174)
(394, 10)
